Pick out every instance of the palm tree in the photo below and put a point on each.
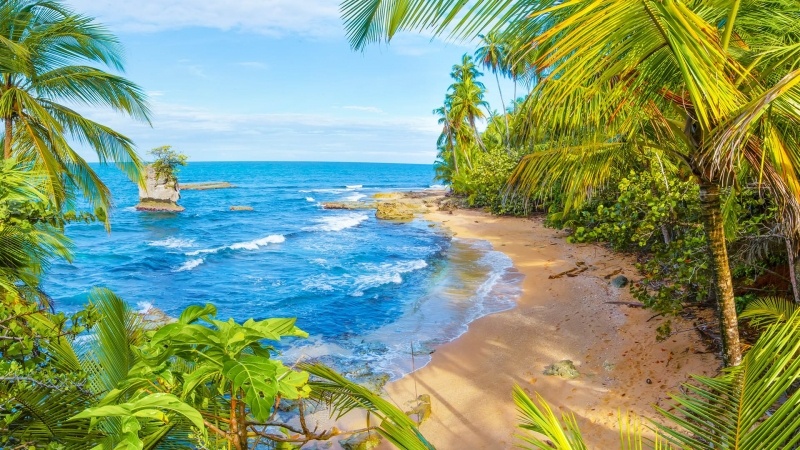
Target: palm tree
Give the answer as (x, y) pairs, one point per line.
(465, 96)
(715, 83)
(50, 58)
(492, 56)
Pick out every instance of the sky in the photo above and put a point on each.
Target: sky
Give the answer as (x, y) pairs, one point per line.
(276, 80)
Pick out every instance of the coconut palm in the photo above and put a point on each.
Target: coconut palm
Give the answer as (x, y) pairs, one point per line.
(465, 97)
(715, 83)
(51, 59)
(492, 56)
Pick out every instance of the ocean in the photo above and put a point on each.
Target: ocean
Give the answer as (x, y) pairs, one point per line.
(367, 291)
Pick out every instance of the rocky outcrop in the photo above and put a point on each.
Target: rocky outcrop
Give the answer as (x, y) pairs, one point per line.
(348, 205)
(158, 193)
(241, 208)
(206, 185)
(394, 211)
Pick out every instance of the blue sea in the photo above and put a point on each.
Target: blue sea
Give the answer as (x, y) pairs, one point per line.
(367, 291)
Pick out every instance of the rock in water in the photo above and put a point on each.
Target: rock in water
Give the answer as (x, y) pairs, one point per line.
(158, 193)
(563, 369)
(394, 211)
(241, 208)
(361, 441)
(619, 281)
(206, 185)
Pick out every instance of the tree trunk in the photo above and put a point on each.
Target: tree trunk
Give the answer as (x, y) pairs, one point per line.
(7, 140)
(505, 116)
(237, 433)
(793, 261)
(723, 284)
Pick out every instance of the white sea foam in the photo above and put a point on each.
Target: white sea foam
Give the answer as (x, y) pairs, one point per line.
(256, 244)
(437, 187)
(338, 222)
(310, 199)
(352, 187)
(249, 245)
(385, 273)
(143, 307)
(354, 198)
(189, 265)
(172, 242)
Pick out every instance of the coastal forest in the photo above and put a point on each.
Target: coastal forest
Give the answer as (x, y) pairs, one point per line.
(665, 129)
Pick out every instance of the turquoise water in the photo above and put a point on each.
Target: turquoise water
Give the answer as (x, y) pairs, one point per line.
(365, 290)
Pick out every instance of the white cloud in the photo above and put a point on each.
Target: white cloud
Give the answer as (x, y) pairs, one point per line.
(367, 109)
(272, 17)
(208, 134)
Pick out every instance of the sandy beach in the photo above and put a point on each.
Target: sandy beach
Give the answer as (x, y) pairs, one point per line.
(622, 366)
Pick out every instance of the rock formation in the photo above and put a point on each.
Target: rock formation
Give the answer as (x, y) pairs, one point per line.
(158, 193)
(394, 211)
(206, 186)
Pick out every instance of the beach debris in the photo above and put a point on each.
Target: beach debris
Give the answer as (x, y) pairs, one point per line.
(159, 193)
(574, 272)
(563, 369)
(620, 281)
(394, 211)
(616, 272)
(206, 185)
(361, 441)
(420, 409)
(241, 208)
(628, 304)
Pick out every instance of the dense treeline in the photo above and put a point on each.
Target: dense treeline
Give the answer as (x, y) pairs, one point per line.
(671, 128)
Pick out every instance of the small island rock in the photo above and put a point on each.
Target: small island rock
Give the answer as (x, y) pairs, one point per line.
(241, 208)
(206, 185)
(158, 193)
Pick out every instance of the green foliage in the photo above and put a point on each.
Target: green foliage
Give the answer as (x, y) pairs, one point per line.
(52, 57)
(166, 162)
(485, 183)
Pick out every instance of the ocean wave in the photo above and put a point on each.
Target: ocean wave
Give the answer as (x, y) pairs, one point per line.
(338, 222)
(353, 198)
(172, 242)
(310, 199)
(353, 187)
(249, 245)
(385, 273)
(189, 265)
(437, 187)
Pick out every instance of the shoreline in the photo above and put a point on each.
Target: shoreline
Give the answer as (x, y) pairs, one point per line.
(613, 346)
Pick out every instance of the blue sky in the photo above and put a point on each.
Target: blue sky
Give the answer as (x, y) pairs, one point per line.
(275, 80)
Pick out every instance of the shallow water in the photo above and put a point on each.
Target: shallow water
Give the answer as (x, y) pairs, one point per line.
(367, 291)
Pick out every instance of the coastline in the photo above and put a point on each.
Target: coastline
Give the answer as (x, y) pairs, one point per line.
(622, 366)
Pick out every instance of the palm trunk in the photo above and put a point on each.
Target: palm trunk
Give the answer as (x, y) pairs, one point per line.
(793, 262)
(505, 116)
(723, 284)
(7, 140)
